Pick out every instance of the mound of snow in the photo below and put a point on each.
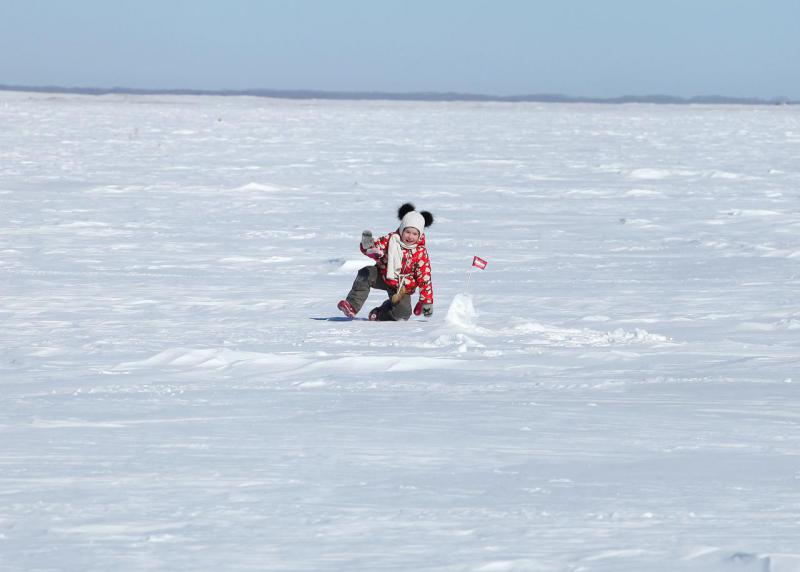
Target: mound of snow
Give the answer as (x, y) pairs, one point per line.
(576, 337)
(716, 559)
(649, 174)
(351, 266)
(643, 193)
(461, 312)
(788, 324)
(211, 358)
(620, 336)
(257, 188)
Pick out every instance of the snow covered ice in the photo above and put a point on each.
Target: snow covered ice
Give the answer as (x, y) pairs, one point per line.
(616, 392)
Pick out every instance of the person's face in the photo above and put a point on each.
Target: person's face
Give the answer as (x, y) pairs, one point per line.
(410, 235)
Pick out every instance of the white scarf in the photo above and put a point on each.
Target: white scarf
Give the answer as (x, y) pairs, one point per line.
(394, 257)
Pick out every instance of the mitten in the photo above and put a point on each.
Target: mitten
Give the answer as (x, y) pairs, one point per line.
(425, 309)
(366, 240)
(375, 253)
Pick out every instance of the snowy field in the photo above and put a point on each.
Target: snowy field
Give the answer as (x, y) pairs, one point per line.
(619, 391)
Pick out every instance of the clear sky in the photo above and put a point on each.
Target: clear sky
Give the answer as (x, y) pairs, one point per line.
(600, 48)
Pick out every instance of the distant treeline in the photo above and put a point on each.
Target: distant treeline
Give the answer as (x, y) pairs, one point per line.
(414, 96)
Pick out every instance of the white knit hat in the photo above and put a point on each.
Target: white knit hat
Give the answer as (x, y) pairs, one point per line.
(413, 220)
(410, 217)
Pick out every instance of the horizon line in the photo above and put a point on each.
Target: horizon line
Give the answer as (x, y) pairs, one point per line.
(404, 96)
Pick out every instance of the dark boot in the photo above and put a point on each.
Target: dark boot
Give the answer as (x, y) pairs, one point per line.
(388, 312)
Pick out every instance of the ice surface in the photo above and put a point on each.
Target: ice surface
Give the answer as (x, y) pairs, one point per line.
(616, 392)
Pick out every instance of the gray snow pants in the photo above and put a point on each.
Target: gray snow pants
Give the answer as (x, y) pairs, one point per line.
(370, 277)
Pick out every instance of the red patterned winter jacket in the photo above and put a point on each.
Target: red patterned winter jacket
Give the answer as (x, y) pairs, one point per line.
(416, 267)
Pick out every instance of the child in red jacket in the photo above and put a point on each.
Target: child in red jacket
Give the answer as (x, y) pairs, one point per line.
(402, 265)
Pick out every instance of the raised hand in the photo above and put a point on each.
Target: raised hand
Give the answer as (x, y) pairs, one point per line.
(366, 240)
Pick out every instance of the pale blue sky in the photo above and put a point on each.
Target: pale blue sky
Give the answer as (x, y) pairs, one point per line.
(600, 48)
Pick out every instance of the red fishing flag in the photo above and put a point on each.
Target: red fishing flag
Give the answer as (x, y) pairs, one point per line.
(479, 262)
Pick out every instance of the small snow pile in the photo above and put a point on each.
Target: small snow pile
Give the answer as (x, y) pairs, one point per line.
(213, 358)
(574, 337)
(462, 313)
(620, 336)
(348, 266)
(788, 324)
(643, 193)
(710, 559)
(256, 188)
(649, 174)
